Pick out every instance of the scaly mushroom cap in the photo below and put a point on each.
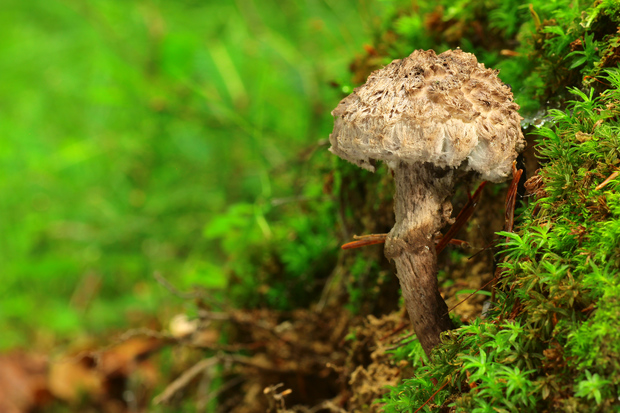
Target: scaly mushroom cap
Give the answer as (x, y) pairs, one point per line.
(444, 109)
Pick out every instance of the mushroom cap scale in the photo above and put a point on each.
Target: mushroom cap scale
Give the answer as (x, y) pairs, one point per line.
(446, 109)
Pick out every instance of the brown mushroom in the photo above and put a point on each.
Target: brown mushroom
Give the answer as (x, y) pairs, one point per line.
(432, 119)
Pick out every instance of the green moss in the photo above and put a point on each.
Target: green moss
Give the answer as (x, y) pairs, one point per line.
(540, 47)
(552, 344)
(552, 341)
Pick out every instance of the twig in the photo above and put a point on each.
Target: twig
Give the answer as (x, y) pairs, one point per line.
(462, 217)
(186, 295)
(608, 180)
(224, 387)
(97, 354)
(214, 315)
(364, 240)
(136, 332)
(327, 404)
(509, 214)
(166, 284)
(398, 329)
(432, 396)
(185, 378)
(406, 339)
(511, 200)
(471, 295)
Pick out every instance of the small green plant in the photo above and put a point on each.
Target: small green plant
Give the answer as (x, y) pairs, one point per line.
(552, 342)
(593, 388)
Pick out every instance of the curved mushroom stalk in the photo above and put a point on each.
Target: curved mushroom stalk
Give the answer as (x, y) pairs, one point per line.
(421, 209)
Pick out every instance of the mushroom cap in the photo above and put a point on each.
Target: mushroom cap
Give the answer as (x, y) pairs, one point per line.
(446, 109)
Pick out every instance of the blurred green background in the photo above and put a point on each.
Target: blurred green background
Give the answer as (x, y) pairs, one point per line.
(128, 128)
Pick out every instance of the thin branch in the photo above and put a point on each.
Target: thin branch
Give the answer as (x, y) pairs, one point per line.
(184, 380)
(462, 217)
(432, 396)
(172, 289)
(608, 180)
(472, 294)
(224, 387)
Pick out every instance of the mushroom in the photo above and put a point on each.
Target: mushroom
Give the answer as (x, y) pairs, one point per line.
(434, 119)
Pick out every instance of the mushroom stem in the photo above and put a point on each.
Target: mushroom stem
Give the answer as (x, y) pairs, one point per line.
(422, 207)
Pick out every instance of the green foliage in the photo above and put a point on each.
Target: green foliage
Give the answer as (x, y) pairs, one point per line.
(552, 342)
(541, 47)
(534, 352)
(359, 284)
(153, 136)
(129, 126)
(279, 253)
(593, 388)
(416, 390)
